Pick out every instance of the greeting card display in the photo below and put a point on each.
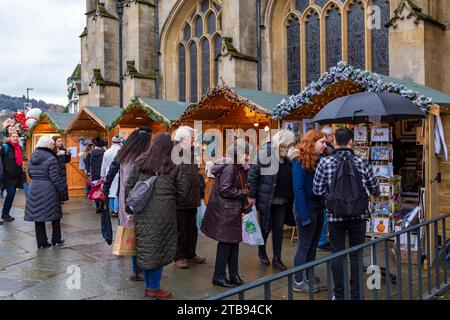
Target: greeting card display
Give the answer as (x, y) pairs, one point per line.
(385, 189)
(380, 134)
(362, 152)
(383, 170)
(380, 153)
(360, 134)
(381, 225)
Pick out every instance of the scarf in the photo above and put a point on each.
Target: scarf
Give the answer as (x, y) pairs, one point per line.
(17, 153)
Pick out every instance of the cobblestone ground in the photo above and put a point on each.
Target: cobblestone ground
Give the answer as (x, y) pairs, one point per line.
(29, 273)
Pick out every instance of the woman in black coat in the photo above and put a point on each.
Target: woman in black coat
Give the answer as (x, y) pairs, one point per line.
(43, 203)
(64, 157)
(270, 186)
(95, 160)
(11, 156)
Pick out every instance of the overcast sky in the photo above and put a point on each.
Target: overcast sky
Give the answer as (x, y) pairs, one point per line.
(39, 46)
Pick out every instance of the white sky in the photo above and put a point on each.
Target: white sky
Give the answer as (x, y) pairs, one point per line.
(39, 46)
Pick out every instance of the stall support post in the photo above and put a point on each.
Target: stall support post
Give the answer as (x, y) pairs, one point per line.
(431, 185)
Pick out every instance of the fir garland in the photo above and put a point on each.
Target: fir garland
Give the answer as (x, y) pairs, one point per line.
(371, 82)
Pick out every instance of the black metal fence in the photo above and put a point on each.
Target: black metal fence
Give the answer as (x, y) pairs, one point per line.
(430, 279)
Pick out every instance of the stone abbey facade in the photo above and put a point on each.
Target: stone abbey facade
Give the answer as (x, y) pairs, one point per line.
(185, 47)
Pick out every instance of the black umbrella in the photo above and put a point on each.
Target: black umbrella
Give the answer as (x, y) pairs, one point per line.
(358, 107)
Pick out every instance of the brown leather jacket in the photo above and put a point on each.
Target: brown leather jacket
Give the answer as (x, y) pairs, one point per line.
(223, 216)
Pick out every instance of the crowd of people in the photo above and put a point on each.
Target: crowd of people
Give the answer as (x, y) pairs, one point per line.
(320, 186)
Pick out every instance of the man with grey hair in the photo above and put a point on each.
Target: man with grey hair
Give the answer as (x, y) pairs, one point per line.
(329, 133)
(187, 232)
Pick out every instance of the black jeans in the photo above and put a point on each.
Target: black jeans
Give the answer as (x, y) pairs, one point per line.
(187, 234)
(227, 254)
(276, 224)
(308, 241)
(100, 205)
(356, 231)
(41, 233)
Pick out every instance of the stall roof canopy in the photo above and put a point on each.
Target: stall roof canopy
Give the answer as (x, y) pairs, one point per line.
(165, 111)
(58, 120)
(344, 79)
(91, 116)
(106, 115)
(221, 100)
(438, 97)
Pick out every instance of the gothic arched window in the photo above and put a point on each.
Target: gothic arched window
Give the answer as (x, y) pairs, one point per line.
(206, 61)
(202, 23)
(380, 40)
(182, 73)
(193, 73)
(301, 5)
(293, 56)
(356, 35)
(312, 47)
(333, 36)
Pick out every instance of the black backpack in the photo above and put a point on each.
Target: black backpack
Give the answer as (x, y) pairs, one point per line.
(346, 195)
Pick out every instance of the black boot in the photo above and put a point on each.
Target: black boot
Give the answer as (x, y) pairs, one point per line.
(237, 280)
(278, 264)
(263, 258)
(224, 283)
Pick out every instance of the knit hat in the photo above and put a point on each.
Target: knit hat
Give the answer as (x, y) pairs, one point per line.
(117, 139)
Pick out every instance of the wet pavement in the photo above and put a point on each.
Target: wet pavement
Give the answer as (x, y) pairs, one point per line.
(29, 273)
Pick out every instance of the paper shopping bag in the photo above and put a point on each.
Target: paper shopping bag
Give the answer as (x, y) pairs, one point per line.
(125, 242)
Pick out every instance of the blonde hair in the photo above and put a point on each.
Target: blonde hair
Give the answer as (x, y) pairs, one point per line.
(283, 138)
(183, 132)
(327, 130)
(45, 142)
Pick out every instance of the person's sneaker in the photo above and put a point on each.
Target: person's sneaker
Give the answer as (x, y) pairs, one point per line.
(303, 287)
(319, 285)
(8, 219)
(325, 247)
(114, 214)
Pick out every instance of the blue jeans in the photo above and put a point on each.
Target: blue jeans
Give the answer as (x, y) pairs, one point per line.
(114, 204)
(10, 195)
(152, 278)
(308, 240)
(134, 267)
(324, 235)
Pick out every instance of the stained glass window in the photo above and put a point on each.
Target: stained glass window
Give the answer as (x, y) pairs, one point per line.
(198, 27)
(293, 56)
(206, 62)
(217, 48)
(356, 36)
(321, 2)
(182, 73)
(211, 23)
(193, 71)
(333, 37)
(187, 32)
(204, 6)
(380, 40)
(301, 5)
(312, 47)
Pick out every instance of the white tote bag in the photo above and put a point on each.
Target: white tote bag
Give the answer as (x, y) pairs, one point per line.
(251, 231)
(201, 216)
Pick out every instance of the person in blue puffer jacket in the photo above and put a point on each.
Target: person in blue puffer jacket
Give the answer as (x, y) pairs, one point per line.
(308, 208)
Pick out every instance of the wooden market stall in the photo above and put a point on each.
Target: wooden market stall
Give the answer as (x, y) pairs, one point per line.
(48, 124)
(224, 108)
(414, 142)
(88, 123)
(157, 114)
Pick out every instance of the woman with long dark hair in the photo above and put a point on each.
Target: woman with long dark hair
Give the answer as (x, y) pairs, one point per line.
(136, 144)
(308, 208)
(156, 225)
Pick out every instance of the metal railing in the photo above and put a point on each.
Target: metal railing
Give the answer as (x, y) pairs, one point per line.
(429, 271)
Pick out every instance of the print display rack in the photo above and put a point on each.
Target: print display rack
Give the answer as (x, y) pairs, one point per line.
(374, 143)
